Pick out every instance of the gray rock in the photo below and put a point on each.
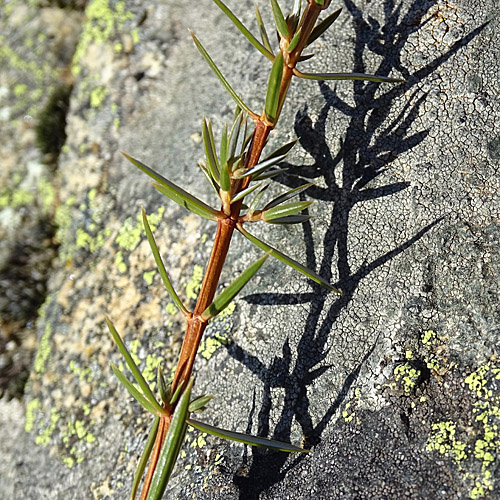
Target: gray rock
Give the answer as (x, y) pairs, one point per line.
(394, 385)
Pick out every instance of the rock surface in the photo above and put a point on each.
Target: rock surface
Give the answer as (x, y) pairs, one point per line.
(394, 385)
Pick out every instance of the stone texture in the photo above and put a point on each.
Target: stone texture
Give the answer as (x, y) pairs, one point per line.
(394, 384)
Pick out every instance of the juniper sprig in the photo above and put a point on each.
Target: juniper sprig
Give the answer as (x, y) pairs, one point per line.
(234, 169)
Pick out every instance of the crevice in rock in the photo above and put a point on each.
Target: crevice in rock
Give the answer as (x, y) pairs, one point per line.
(26, 259)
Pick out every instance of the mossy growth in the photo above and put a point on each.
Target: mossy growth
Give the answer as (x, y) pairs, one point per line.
(51, 126)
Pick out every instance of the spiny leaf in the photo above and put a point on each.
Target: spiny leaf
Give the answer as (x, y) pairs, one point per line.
(261, 48)
(133, 367)
(188, 201)
(279, 19)
(263, 166)
(285, 210)
(161, 267)
(225, 180)
(177, 393)
(237, 111)
(294, 41)
(198, 403)
(248, 136)
(220, 76)
(235, 134)
(289, 219)
(273, 88)
(305, 57)
(171, 446)
(224, 299)
(223, 146)
(262, 30)
(347, 76)
(210, 152)
(256, 200)
(269, 174)
(144, 458)
(246, 191)
(323, 26)
(165, 392)
(134, 392)
(287, 260)
(245, 438)
(286, 196)
(176, 193)
(213, 183)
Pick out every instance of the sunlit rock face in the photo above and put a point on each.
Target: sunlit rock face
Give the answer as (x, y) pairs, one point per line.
(394, 384)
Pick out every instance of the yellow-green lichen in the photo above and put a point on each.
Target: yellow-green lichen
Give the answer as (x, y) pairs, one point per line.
(47, 194)
(39, 71)
(444, 441)
(485, 446)
(429, 337)
(133, 348)
(15, 197)
(83, 374)
(171, 309)
(20, 89)
(20, 197)
(347, 415)
(478, 380)
(31, 410)
(102, 22)
(8, 6)
(148, 276)
(43, 439)
(129, 235)
(135, 36)
(4, 199)
(209, 345)
(200, 441)
(432, 363)
(227, 311)
(97, 96)
(76, 430)
(68, 461)
(406, 375)
(150, 371)
(89, 242)
(36, 95)
(119, 263)
(43, 351)
(194, 284)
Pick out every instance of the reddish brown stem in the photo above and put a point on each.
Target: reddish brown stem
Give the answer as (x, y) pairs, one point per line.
(155, 454)
(195, 325)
